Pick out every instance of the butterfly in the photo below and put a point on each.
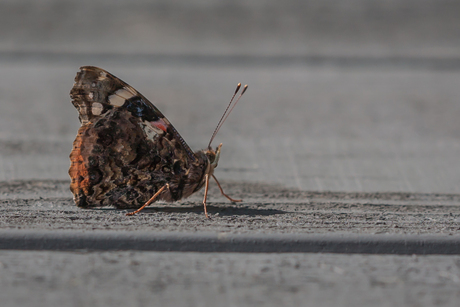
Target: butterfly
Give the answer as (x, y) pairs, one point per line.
(127, 154)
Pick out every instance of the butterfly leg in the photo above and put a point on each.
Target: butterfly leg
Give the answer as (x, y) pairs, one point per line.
(166, 186)
(222, 191)
(206, 194)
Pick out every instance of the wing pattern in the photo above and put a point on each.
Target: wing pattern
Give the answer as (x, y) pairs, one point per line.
(125, 149)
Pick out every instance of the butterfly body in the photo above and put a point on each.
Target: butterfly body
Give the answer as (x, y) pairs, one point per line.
(126, 152)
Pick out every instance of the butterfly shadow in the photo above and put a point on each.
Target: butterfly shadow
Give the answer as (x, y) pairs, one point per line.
(214, 210)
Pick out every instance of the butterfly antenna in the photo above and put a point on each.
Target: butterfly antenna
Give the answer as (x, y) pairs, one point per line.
(218, 124)
(228, 110)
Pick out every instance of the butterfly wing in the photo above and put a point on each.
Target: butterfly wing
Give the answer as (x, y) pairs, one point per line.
(96, 91)
(125, 149)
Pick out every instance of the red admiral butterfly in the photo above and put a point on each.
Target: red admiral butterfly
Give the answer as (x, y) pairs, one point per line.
(127, 154)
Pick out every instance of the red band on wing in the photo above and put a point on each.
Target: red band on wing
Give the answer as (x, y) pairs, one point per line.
(160, 124)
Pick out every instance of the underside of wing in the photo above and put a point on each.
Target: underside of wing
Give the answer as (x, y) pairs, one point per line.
(96, 92)
(125, 149)
(113, 163)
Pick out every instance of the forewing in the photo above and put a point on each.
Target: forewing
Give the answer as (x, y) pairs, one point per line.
(97, 91)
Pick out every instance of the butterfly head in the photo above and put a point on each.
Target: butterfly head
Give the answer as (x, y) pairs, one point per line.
(213, 156)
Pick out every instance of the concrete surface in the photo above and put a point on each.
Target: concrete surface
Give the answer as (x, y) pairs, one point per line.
(349, 128)
(200, 279)
(267, 209)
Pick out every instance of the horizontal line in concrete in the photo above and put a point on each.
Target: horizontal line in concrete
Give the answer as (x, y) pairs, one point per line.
(223, 242)
(429, 63)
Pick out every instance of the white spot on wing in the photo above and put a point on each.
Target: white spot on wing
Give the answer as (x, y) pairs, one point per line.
(118, 98)
(102, 76)
(124, 93)
(97, 108)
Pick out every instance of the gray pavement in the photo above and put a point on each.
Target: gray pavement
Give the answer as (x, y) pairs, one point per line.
(267, 209)
(348, 134)
(203, 279)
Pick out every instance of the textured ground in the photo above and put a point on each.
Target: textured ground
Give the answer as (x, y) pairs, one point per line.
(266, 209)
(197, 279)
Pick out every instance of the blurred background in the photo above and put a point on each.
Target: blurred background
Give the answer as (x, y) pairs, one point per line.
(353, 95)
